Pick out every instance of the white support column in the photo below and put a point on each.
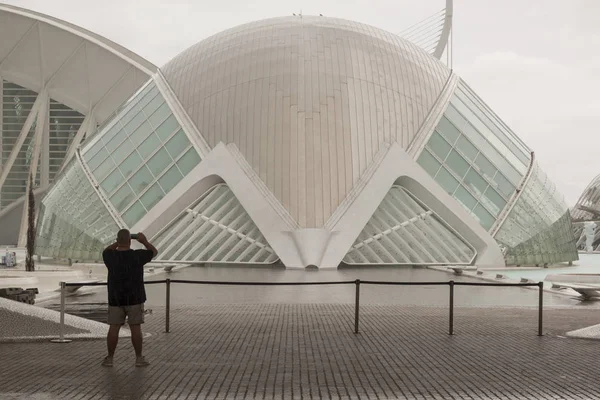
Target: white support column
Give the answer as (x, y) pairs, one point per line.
(83, 129)
(21, 139)
(45, 145)
(42, 117)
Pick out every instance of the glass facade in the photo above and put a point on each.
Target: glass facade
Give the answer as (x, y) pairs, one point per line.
(140, 155)
(538, 229)
(481, 162)
(64, 124)
(73, 222)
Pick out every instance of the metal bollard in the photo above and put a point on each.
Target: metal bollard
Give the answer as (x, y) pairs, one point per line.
(63, 294)
(356, 305)
(541, 309)
(451, 316)
(168, 306)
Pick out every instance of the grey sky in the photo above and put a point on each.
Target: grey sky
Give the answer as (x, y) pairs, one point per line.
(535, 62)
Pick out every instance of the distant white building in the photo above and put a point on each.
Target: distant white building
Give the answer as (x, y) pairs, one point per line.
(309, 141)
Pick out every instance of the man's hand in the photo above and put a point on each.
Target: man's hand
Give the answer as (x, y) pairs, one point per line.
(141, 238)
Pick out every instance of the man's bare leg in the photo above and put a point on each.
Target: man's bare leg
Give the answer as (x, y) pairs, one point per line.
(112, 339)
(137, 341)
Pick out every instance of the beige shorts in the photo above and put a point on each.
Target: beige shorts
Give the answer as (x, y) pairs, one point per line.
(134, 314)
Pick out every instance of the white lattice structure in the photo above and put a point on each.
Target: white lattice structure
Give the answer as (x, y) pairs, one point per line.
(314, 141)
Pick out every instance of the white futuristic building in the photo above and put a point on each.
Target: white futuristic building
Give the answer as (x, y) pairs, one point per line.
(58, 83)
(307, 141)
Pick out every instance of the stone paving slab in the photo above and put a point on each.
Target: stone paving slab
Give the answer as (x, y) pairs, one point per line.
(300, 351)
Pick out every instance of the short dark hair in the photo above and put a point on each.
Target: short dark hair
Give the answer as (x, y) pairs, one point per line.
(123, 236)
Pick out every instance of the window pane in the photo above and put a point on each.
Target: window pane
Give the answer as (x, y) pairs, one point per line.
(121, 153)
(153, 104)
(177, 144)
(149, 94)
(428, 162)
(103, 169)
(152, 196)
(159, 162)
(167, 128)
(465, 198)
(115, 142)
(135, 123)
(97, 159)
(113, 180)
(112, 132)
(448, 130)
(485, 218)
(141, 133)
(446, 180)
(122, 197)
(170, 179)
(130, 164)
(495, 202)
(188, 161)
(487, 168)
(159, 115)
(457, 163)
(92, 151)
(453, 115)
(134, 214)
(466, 148)
(503, 185)
(439, 146)
(140, 180)
(149, 146)
(475, 182)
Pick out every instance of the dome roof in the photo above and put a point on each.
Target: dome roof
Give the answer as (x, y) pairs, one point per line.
(309, 101)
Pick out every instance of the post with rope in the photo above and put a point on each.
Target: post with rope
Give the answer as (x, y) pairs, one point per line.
(63, 294)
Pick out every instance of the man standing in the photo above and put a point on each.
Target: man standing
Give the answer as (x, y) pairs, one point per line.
(126, 293)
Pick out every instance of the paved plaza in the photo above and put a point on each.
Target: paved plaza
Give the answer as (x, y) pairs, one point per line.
(297, 351)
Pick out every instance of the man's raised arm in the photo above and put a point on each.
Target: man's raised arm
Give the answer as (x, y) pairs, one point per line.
(142, 239)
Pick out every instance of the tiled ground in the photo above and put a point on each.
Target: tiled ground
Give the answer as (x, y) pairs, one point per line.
(310, 351)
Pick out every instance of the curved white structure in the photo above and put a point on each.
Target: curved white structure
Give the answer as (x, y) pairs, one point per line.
(313, 141)
(58, 83)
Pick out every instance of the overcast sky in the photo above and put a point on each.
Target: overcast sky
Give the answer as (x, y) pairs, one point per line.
(535, 62)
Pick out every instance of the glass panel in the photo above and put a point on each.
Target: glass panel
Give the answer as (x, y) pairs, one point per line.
(428, 162)
(97, 159)
(134, 214)
(177, 144)
(159, 162)
(503, 185)
(495, 202)
(466, 148)
(152, 196)
(113, 180)
(167, 128)
(453, 115)
(130, 164)
(135, 122)
(485, 218)
(104, 169)
(170, 179)
(475, 182)
(122, 197)
(150, 144)
(486, 167)
(153, 104)
(159, 115)
(121, 153)
(448, 130)
(140, 180)
(439, 145)
(149, 94)
(115, 142)
(141, 132)
(465, 198)
(457, 163)
(111, 133)
(188, 161)
(446, 180)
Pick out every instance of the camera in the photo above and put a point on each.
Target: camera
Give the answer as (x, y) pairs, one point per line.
(134, 236)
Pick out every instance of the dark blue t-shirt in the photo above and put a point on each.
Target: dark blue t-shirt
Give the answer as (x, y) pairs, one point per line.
(126, 276)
